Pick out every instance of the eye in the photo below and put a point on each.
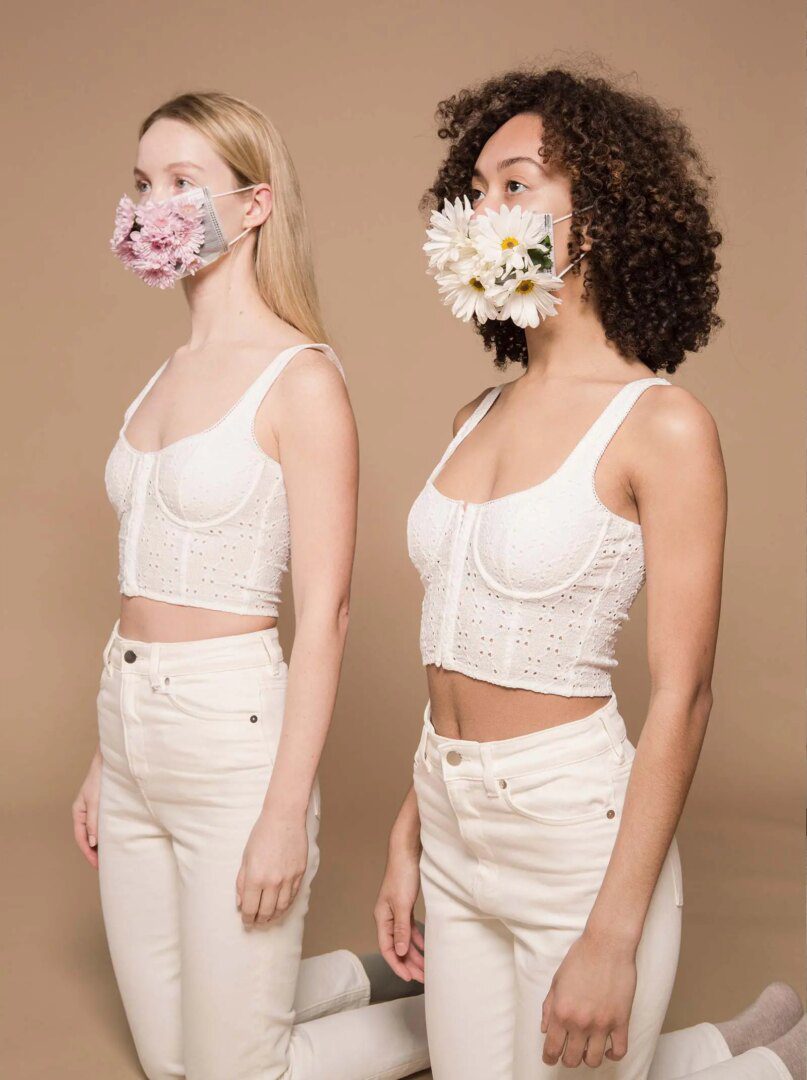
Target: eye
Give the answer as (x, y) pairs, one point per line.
(140, 186)
(184, 180)
(518, 184)
(474, 195)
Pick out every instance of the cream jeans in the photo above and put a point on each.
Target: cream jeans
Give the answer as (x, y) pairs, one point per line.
(516, 836)
(188, 733)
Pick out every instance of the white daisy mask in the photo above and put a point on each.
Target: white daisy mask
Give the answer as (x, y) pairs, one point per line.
(500, 265)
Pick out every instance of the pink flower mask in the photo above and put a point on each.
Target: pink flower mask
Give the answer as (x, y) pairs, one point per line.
(166, 240)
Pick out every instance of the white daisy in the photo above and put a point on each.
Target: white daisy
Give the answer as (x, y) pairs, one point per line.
(448, 235)
(465, 286)
(508, 235)
(525, 297)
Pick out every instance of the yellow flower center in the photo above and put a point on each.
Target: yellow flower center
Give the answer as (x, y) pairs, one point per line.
(524, 287)
(475, 283)
(509, 243)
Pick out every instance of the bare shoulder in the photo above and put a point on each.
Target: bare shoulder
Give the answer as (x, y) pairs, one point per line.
(468, 409)
(312, 375)
(674, 421)
(675, 445)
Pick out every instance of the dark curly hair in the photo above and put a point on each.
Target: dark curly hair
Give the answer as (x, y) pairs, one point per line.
(652, 267)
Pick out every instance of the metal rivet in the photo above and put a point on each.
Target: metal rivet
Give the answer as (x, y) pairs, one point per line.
(453, 757)
(502, 783)
(130, 656)
(611, 813)
(253, 719)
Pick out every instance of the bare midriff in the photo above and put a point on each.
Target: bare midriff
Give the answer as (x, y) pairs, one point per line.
(466, 708)
(144, 619)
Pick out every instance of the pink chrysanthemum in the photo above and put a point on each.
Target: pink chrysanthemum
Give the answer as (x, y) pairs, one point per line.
(159, 241)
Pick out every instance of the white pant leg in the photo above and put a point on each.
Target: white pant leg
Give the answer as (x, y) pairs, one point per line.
(195, 758)
(469, 967)
(700, 1052)
(525, 828)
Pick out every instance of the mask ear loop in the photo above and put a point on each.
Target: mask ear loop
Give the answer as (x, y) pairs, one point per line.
(235, 191)
(579, 257)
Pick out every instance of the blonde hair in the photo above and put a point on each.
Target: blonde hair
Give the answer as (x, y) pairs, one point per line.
(254, 149)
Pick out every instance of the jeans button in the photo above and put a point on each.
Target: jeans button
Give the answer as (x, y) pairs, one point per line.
(453, 757)
(130, 656)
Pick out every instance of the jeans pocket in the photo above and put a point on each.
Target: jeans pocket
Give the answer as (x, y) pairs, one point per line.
(566, 794)
(226, 696)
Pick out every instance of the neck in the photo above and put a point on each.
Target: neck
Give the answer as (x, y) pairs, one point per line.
(572, 343)
(224, 302)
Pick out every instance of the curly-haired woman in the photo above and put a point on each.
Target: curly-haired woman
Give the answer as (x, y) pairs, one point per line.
(544, 840)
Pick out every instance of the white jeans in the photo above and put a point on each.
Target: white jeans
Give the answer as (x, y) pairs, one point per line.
(516, 836)
(188, 733)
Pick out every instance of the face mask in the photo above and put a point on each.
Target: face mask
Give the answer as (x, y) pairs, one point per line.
(169, 239)
(499, 265)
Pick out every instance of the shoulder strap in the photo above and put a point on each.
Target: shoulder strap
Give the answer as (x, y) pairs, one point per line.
(593, 444)
(145, 389)
(259, 389)
(466, 428)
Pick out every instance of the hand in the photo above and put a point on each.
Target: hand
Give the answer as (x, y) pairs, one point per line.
(85, 812)
(399, 938)
(272, 867)
(591, 996)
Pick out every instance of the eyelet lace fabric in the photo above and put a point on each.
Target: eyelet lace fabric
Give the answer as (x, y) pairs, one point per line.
(204, 521)
(530, 590)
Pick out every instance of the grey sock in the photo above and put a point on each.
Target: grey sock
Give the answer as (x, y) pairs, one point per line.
(792, 1049)
(773, 1013)
(385, 985)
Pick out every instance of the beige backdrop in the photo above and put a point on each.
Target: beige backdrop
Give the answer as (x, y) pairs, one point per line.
(353, 87)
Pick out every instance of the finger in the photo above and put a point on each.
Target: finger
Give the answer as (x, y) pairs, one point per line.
(546, 1009)
(401, 934)
(595, 1049)
(283, 899)
(385, 923)
(80, 836)
(619, 1043)
(239, 888)
(575, 1048)
(250, 902)
(268, 904)
(554, 1041)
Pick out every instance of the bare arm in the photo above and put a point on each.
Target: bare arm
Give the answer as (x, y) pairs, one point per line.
(318, 449)
(319, 453)
(679, 485)
(680, 489)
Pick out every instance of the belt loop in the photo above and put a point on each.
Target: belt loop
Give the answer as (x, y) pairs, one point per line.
(491, 787)
(274, 651)
(154, 665)
(610, 728)
(109, 644)
(423, 745)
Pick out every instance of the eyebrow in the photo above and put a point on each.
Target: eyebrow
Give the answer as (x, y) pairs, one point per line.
(510, 161)
(173, 165)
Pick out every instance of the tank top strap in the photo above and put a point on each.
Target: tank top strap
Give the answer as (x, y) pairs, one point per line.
(259, 389)
(130, 410)
(467, 427)
(594, 443)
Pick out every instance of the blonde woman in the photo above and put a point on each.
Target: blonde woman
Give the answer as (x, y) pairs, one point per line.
(201, 805)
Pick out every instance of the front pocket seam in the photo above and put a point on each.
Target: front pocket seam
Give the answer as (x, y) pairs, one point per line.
(590, 815)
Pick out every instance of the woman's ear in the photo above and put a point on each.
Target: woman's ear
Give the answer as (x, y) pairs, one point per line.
(261, 206)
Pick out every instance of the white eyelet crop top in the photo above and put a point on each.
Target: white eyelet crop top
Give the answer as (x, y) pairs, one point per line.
(529, 590)
(204, 520)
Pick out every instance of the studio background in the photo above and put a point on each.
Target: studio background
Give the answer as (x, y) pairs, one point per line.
(353, 89)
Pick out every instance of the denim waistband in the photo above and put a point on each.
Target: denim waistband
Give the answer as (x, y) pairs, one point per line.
(597, 733)
(157, 659)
